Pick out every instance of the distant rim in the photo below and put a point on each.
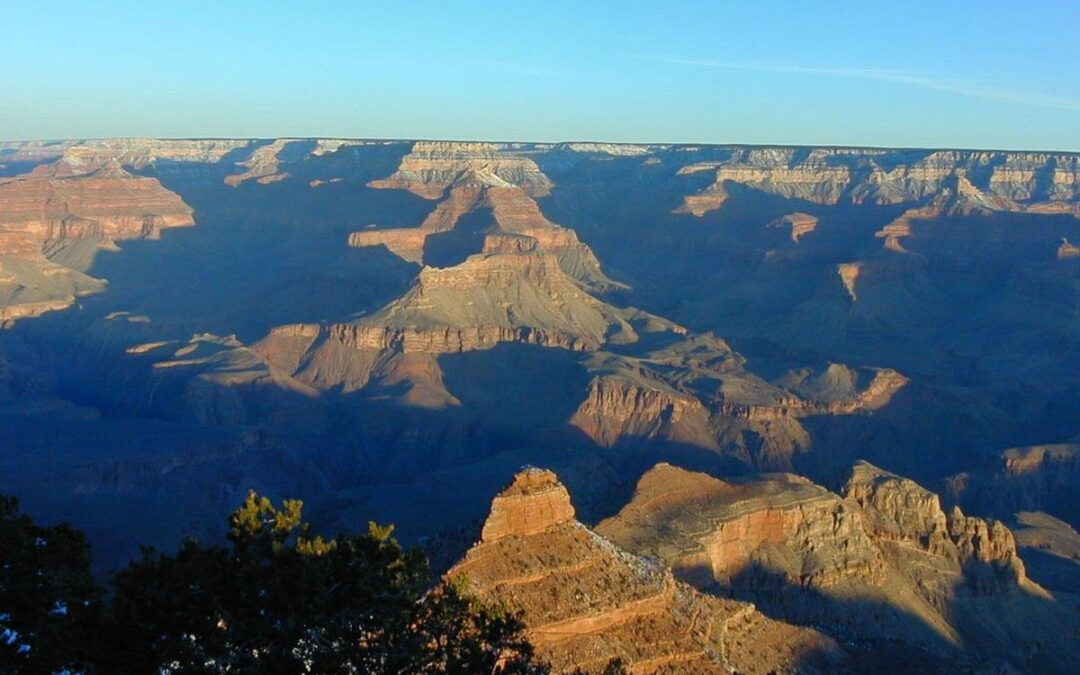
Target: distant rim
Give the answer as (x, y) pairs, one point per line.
(648, 144)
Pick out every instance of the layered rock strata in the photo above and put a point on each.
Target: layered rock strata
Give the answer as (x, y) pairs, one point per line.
(800, 224)
(431, 167)
(884, 542)
(839, 175)
(585, 602)
(477, 178)
(713, 531)
(58, 202)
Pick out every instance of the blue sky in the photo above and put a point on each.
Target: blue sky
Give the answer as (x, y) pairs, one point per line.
(932, 73)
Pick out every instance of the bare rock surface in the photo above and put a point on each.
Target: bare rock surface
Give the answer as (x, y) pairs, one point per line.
(881, 561)
(585, 602)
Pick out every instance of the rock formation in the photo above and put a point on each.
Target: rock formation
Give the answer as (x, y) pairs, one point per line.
(58, 202)
(1068, 250)
(585, 602)
(474, 178)
(697, 391)
(901, 514)
(710, 199)
(134, 152)
(833, 175)
(884, 543)
(431, 167)
(959, 197)
(30, 287)
(800, 224)
(469, 328)
(1031, 478)
(72, 204)
(714, 531)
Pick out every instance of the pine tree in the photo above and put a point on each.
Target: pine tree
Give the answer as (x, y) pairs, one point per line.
(280, 599)
(49, 603)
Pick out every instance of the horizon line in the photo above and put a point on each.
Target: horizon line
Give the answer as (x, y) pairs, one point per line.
(824, 146)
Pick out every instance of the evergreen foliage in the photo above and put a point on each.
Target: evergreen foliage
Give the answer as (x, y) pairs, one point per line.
(276, 599)
(49, 604)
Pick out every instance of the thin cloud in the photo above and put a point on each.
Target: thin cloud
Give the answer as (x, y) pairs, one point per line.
(961, 87)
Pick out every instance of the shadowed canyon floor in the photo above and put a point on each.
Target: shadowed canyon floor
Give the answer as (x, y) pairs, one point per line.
(389, 330)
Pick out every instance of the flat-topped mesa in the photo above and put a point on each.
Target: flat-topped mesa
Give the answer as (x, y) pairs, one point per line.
(431, 167)
(533, 502)
(585, 602)
(59, 202)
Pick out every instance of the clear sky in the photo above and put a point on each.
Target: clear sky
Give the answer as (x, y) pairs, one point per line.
(922, 73)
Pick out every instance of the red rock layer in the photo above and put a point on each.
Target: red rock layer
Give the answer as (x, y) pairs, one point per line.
(55, 202)
(585, 602)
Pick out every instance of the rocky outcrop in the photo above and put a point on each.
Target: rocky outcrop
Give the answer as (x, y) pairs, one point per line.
(900, 511)
(263, 164)
(880, 561)
(714, 531)
(1031, 478)
(849, 276)
(960, 197)
(850, 175)
(513, 211)
(710, 199)
(30, 287)
(63, 206)
(800, 224)
(496, 297)
(585, 602)
(58, 202)
(615, 409)
(534, 502)
(1068, 250)
(451, 340)
(697, 392)
(903, 510)
(431, 167)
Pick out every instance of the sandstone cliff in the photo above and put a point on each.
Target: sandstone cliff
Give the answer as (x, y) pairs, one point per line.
(881, 561)
(585, 602)
(1031, 478)
(67, 205)
(800, 224)
(431, 167)
(835, 175)
(724, 529)
(58, 201)
(471, 178)
(697, 391)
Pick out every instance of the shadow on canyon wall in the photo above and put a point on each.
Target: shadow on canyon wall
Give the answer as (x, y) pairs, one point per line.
(995, 632)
